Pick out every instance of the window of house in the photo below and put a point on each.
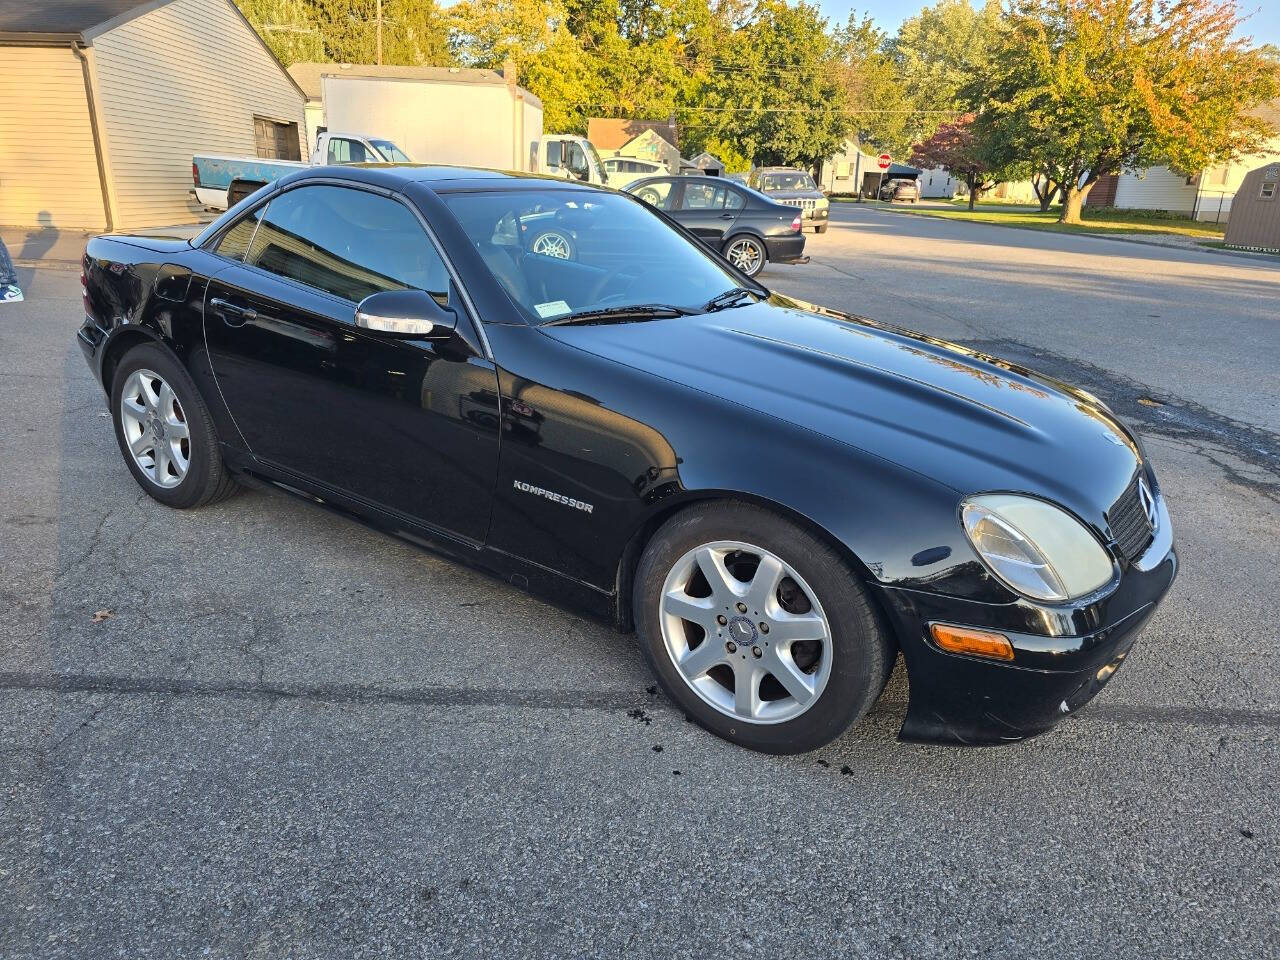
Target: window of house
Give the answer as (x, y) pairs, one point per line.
(275, 140)
(348, 243)
(1268, 191)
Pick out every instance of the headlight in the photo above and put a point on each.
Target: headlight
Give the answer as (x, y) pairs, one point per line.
(1035, 548)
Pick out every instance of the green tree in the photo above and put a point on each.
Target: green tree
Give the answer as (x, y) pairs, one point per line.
(878, 103)
(937, 55)
(414, 32)
(1092, 87)
(773, 89)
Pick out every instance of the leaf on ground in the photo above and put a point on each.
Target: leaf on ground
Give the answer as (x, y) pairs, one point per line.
(102, 615)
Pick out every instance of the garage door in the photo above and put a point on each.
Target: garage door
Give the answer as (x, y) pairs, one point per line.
(48, 172)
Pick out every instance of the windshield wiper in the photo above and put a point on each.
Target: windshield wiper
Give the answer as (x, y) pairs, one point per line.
(634, 311)
(730, 298)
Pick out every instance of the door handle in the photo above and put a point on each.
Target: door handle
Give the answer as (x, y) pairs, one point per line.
(229, 310)
(728, 216)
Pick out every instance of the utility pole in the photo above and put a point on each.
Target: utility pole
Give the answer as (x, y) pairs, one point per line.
(379, 32)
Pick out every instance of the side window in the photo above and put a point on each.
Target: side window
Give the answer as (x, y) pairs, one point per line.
(348, 243)
(553, 154)
(575, 159)
(342, 150)
(702, 196)
(235, 242)
(733, 200)
(657, 194)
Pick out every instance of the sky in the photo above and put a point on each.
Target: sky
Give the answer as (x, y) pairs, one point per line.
(1263, 26)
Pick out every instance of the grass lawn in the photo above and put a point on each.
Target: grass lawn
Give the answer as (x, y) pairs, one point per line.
(1097, 220)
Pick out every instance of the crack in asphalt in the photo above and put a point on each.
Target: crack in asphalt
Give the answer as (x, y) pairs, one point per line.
(533, 699)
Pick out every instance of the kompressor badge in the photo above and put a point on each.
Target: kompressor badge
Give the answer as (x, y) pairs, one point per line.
(553, 496)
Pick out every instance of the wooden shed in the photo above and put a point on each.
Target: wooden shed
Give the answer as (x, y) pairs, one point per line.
(103, 103)
(1255, 211)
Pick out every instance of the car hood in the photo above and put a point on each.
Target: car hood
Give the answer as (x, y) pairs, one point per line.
(959, 417)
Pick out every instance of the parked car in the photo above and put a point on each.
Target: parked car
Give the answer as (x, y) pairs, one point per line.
(904, 189)
(779, 498)
(794, 188)
(624, 170)
(749, 229)
(221, 182)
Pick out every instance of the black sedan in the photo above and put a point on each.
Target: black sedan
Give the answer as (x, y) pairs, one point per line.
(778, 498)
(746, 227)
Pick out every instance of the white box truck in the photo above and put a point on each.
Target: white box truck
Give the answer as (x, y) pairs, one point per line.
(455, 115)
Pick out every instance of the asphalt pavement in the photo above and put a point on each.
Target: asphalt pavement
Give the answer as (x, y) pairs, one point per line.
(256, 730)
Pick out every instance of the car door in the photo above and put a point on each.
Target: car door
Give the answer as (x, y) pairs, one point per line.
(701, 208)
(406, 425)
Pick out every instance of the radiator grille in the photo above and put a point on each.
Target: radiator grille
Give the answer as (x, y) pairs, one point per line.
(1131, 528)
(804, 203)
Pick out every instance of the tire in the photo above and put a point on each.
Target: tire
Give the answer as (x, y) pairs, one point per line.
(553, 242)
(838, 677)
(649, 196)
(821, 229)
(736, 252)
(140, 406)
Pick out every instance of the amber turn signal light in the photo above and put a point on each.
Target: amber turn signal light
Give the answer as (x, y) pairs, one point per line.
(977, 643)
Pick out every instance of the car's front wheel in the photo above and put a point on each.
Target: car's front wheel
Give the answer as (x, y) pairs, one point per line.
(164, 430)
(747, 254)
(757, 629)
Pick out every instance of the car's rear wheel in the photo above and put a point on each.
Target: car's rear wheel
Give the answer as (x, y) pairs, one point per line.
(165, 432)
(746, 253)
(821, 229)
(757, 629)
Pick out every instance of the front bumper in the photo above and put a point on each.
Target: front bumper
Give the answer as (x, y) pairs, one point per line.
(970, 700)
(786, 249)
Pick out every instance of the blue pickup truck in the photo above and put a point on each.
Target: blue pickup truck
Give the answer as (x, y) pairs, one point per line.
(221, 182)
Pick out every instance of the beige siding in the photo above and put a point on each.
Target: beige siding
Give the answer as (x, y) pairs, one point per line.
(185, 78)
(48, 173)
(1157, 188)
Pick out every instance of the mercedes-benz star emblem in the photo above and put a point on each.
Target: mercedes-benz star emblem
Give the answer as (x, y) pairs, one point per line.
(1148, 502)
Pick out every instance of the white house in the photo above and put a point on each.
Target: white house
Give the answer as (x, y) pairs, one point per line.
(1205, 195)
(103, 103)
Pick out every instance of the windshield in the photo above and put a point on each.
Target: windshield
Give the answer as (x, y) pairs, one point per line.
(792, 180)
(563, 252)
(390, 152)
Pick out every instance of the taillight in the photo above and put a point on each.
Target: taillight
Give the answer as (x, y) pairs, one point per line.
(795, 224)
(195, 173)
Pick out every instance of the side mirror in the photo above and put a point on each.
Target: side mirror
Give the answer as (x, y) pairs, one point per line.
(406, 313)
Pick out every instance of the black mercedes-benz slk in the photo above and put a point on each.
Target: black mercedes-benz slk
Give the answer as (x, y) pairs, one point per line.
(778, 498)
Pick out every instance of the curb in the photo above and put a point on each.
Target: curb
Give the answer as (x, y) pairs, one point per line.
(1238, 254)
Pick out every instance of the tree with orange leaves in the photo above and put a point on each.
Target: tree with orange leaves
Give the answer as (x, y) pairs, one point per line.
(1094, 87)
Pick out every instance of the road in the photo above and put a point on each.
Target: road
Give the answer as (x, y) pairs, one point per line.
(289, 736)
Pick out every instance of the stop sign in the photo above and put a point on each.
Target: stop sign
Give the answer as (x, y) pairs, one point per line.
(884, 161)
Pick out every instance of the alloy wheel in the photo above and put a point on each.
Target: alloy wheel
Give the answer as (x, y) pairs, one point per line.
(745, 255)
(745, 632)
(155, 428)
(552, 245)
